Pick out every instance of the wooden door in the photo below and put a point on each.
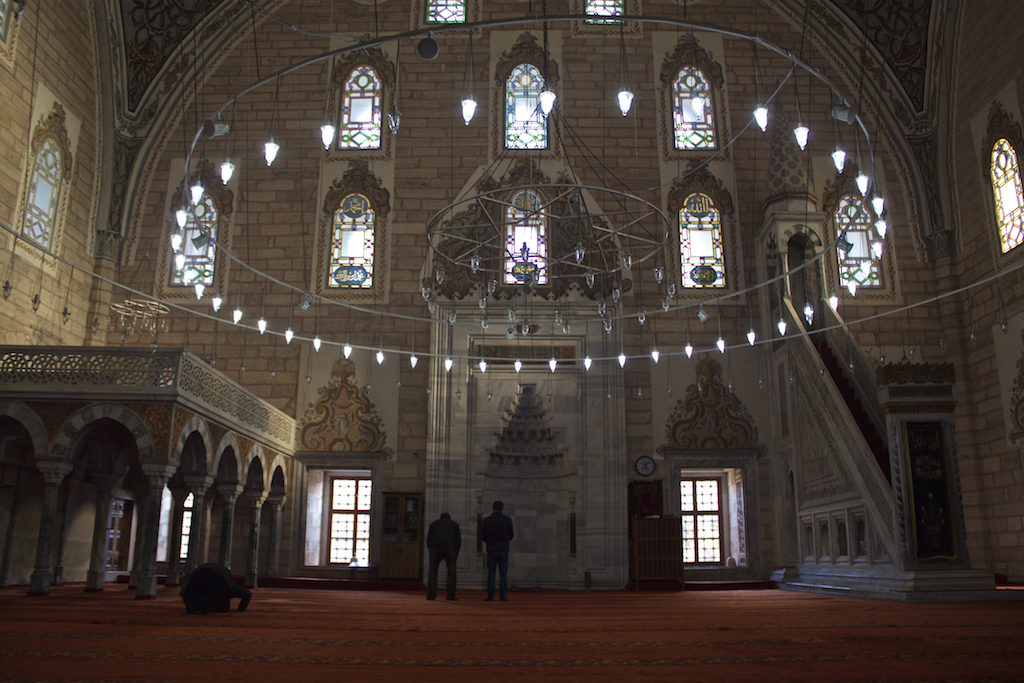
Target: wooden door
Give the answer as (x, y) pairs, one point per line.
(119, 531)
(402, 537)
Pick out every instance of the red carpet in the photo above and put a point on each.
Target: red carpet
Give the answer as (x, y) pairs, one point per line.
(319, 635)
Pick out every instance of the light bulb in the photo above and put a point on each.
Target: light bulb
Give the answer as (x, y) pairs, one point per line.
(655, 355)
(688, 349)
(839, 159)
(751, 336)
(197, 192)
(347, 349)
(316, 343)
(288, 334)
(589, 278)
(547, 101)
(852, 286)
(327, 135)
(720, 344)
(181, 217)
(862, 182)
(468, 108)
(448, 363)
(200, 288)
(227, 169)
(216, 301)
(800, 132)
(622, 360)
(270, 150)
(587, 362)
(881, 227)
(176, 238)
(179, 261)
(579, 252)
(380, 356)
(518, 365)
(809, 313)
(878, 204)
(833, 302)
(413, 360)
(761, 116)
(782, 327)
(625, 101)
(236, 315)
(552, 363)
(261, 324)
(876, 249)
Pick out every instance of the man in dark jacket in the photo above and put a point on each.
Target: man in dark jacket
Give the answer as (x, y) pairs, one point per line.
(496, 532)
(210, 588)
(443, 542)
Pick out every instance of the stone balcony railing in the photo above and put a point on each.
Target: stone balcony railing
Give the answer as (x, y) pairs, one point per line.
(134, 374)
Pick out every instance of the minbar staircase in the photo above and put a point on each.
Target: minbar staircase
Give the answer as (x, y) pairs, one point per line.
(877, 443)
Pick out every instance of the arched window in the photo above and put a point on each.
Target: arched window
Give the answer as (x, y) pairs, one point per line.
(352, 238)
(525, 124)
(360, 125)
(43, 193)
(195, 261)
(693, 114)
(859, 266)
(603, 11)
(446, 12)
(1009, 199)
(526, 242)
(701, 252)
(5, 19)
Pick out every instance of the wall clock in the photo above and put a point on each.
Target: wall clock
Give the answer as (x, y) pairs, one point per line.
(644, 465)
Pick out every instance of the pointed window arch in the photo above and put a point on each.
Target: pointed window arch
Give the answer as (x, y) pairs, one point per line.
(361, 97)
(701, 250)
(525, 124)
(526, 239)
(195, 262)
(604, 11)
(445, 12)
(1009, 197)
(858, 266)
(693, 111)
(352, 244)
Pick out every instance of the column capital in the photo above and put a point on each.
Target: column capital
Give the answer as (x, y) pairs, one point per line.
(229, 491)
(158, 474)
(276, 500)
(256, 499)
(54, 471)
(198, 483)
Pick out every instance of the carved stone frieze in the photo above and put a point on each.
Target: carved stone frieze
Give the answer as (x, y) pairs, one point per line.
(710, 415)
(915, 373)
(358, 178)
(343, 418)
(689, 52)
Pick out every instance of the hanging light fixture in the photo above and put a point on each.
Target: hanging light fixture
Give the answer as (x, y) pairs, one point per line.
(316, 342)
(448, 363)
(270, 150)
(587, 362)
(552, 363)
(862, 182)
(688, 350)
(179, 261)
(482, 365)
(176, 239)
(622, 360)
(468, 101)
(237, 314)
(518, 365)
(809, 313)
(876, 249)
(852, 286)
(380, 356)
(327, 132)
(833, 302)
(181, 217)
(413, 360)
(782, 327)
(261, 324)
(200, 288)
(216, 302)
(655, 355)
(288, 335)
(751, 336)
(227, 169)
(720, 344)
(347, 349)
(625, 96)
(800, 133)
(761, 117)
(839, 159)
(197, 191)
(878, 204)
(881, 227)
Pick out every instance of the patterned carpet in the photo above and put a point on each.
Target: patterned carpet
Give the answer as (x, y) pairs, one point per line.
(319, 635)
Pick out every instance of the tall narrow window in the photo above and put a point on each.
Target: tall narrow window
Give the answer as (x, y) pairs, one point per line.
(701, 512)
(693, 115)
(858, 264)
(701, 253)
(526, 246)
(186, 526)
(360, 125)
(604, 11)
(446, 12)
(1006, 185)
(5, 19)
(525, 124)
(198, 247)
(43, 193)
(350, 521)
(352, 239)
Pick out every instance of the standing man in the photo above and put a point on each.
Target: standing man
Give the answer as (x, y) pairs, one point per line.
(496, 532)
(443, 542)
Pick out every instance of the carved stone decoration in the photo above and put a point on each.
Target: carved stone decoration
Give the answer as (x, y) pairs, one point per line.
(343, 418)
(689, 52)
(374, 57)
(1000, 125)
(525, 51)
(54, 125)
(158, 419)
(126, 150)
(358, 178)
(711, 415)
(787, 175)
(926, 154)
(915, 373)
(700, 179)
(526, 437)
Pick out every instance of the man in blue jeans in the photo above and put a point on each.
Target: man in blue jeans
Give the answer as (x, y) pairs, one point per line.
(496, 532)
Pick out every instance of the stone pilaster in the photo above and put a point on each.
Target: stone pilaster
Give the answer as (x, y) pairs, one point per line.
(53, 475)
(149, 526)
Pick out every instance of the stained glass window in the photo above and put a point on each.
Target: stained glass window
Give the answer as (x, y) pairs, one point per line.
(350, 521)
(525, 125)
(701, 512)
(858, 264)
(603, 11)
(43, 194)
(186, 527)
(526, 245)
(5, 19)
(446, 12)
(198, 245)
(693, 115)
(352, 237)
(1006, 185)
(360, 123)
(701, 254)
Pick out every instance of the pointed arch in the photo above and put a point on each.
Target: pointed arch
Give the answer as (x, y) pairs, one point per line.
(49, 172)
(691, 82)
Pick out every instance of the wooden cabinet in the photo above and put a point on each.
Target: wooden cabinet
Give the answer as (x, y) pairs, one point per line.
(402, 536)
(657, 552)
